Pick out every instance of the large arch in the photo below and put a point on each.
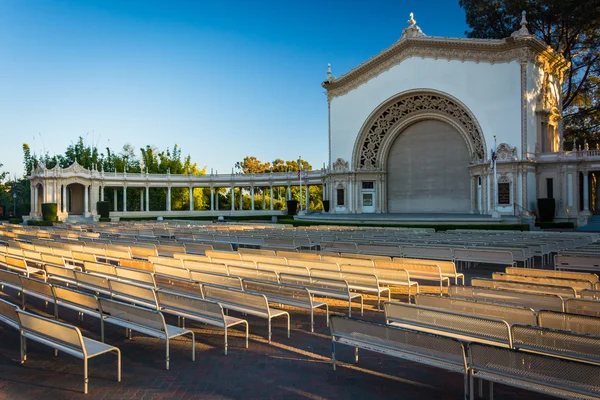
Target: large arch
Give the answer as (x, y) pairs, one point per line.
(400, 111)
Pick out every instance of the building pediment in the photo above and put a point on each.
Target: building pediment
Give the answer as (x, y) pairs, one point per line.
(413, 43)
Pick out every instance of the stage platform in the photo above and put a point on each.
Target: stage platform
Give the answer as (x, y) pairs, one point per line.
(409, 219)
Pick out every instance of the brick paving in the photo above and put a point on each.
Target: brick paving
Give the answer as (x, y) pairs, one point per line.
(295, 368)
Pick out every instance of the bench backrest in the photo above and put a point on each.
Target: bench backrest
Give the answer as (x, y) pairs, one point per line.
(80, 256)
(170, 249)
(137, 276)
(327, 284)
(137, 264)
(196, 248)
(536, 301)
(177, 272)
(510, 314)
(233, 296)
(435, 347)
(193, 305)
(570, 322)
(143, 252)
(252, 273)
(62, 252)
(428, 252)
(204, 266)
(32, 255)
(171, 262)
(137, 294)
(367, 256)
(52, 259)
(415, 270)
(352, 278)
(593, 278)
(191, 257)
(10, 277)
(484, 256)
(275, 289)
(573, 262)
(8, 313)
(524, 287)
(66, 335)
(299, 256)
(93, 281)
(17, 263)
(583, 307)
(177, 285)
(448, 321)
(591, 294)
(310, 264)
(263, 258)
(75, 297)
(282, 268)
(347, 260)
(134, 314)
(230, 255)
(578, 285)
(38, 287)
(101, 269)
(568, 375)
(566, 344)
(217, 279)
(446, 267)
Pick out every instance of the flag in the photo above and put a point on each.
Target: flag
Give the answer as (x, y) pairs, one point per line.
(298, 173)
(493, 158)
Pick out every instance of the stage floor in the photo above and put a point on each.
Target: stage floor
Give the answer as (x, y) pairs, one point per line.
(416, 219)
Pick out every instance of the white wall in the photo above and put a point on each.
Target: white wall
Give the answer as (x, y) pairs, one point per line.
(535, 77)
(491, 92)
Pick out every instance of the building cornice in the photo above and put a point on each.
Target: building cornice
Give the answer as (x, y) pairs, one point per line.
(493, 51)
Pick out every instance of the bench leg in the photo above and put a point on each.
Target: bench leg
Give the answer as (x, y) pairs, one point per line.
(85, 376)
(118, 365)
(312, 319)
(247, 333)
(491, 390)
(225, 340)
(327, 314)
(356, 355)
(349, 307)
(361, 305)
(480, 389)
(333, 354)
(288, 324)
(471, 386)
(167, 353)
(23, 349)
(193, 346)
(102, 328)
(269, 326)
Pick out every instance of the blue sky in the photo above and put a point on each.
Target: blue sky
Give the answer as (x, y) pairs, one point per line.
(222, 79)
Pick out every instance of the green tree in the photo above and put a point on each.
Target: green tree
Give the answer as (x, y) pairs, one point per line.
(571, 28)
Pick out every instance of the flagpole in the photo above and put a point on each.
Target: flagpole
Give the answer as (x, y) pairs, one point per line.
(300, 178)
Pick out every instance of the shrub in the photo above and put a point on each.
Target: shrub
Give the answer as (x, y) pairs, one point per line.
(49, 212)
(15, 220)
(555, 225)
(104, 219)
(103, 208)
(32, 222)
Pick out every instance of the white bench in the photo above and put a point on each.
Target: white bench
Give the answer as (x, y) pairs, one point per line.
(83, 303)
(65, 338)
(198, 309)
(248, 303)
(424, 348)
(577, 263)
(143, 320)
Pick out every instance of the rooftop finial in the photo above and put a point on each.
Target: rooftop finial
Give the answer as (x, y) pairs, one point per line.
(330, 76)
(523, 31)
(413, 30)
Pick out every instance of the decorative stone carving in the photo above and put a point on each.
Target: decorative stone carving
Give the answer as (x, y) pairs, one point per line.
(75, 168)
(372, 139)
(413, 30)
(340, 165)
(506, 153)
(523, 31)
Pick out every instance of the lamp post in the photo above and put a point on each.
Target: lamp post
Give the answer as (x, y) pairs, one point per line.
(14, 204)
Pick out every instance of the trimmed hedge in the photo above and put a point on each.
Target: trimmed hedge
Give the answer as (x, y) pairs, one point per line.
(49, 212)
(103, 208)
(555, 225)
(104, 219)
(15, 220)
(32, 222)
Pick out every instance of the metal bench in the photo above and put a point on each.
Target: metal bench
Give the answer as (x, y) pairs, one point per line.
(310, 264)
(569, 322)
(425, 272)
(365, 283)
(205, 266)
(299, 256)
(428, 252)
(467, 328)
(386, 276)
(348, 261)
(20, 266)
(577, 263)
(252, 273)
(217, 279)
(94, 283)
(174, 284)
(176, 272)
(61, 274)
(8, 314)
(279, 268)
(145, 321)
(366, 256)
(583, 307)
(324, 287)
(136, 294)
(536, 301)
(138, 277)
(95, 268)
(295, 296)
(501, 257)
(424, 348)
(576, 284)
(591, 294)
(65, 338)
(248, 303)
(510, 314)
(563, 291)
(199, 310)
(169, 261)
(38, 289)
(447, 268)
(536, 372)
(593, 278)
(11, 280)
(83, 303)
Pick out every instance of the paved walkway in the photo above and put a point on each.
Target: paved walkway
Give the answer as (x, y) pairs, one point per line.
(295, 368)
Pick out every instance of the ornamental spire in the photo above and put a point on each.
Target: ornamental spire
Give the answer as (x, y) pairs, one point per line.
(523, 31)
(330, 77)
(413, 30)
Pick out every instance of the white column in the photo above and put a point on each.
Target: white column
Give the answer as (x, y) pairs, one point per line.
(115, 199)
(271, 195)
(489, 193)
(169, 198)
(473, 194)
(64, 198)
(264, 190)
(124, 198)
(307, 200)
(191, 198)
(252, 197)
(569, 190)
(35, 204)
(212, 199)
(147, 198)
(232, 198)
(216, 190)
(586, 194)
(142, 200)
(86, 200)
(289, 193)
(241, 199)
(101, 193)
